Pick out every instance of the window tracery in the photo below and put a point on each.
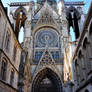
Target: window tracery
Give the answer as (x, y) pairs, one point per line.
(46, 37)
(55, 54)
(38, 55)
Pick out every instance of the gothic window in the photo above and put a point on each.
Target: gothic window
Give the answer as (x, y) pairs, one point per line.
(38, 55)
(52, 54)
(73, 17)
(3, 70)
(12, 78)
(55, 54)
(46, 37)
(7, 41)
(14, 53)
(20, 15)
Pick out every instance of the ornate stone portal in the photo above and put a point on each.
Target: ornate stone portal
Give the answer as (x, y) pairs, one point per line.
(46, 81)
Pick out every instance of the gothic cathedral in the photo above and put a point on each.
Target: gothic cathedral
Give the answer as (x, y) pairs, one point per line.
(47, 46)
(46, 35)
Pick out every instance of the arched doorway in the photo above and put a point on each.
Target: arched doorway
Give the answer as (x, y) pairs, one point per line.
(46, 81)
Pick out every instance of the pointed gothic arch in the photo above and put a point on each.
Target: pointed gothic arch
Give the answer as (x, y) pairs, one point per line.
(46, 26)
(46, 81)
(73, 17)
(20, 17)
(50, 37)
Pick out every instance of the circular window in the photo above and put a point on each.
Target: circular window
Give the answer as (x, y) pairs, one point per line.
(46, 37)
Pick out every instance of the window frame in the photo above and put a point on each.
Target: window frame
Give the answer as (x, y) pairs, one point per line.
(14, 53)
(12, 77)
(4, 69)
(7, 40)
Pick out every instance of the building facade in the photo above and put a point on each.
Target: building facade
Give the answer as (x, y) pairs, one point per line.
(47, 60)
(10, 52)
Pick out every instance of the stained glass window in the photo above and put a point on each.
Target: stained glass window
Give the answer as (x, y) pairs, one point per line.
(55, 54)
(38, 55)
(46, 37)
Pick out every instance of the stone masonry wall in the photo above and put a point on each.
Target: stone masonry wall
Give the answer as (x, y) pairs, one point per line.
(6, 88)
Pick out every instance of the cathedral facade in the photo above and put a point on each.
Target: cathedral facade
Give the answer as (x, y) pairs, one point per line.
(47, 60)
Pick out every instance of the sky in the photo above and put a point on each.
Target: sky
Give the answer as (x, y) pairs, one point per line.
(87, 4)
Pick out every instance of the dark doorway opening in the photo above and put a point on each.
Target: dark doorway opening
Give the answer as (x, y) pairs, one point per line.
(47, 81)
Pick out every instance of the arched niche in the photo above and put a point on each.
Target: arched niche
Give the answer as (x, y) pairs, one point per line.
(46, 81)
